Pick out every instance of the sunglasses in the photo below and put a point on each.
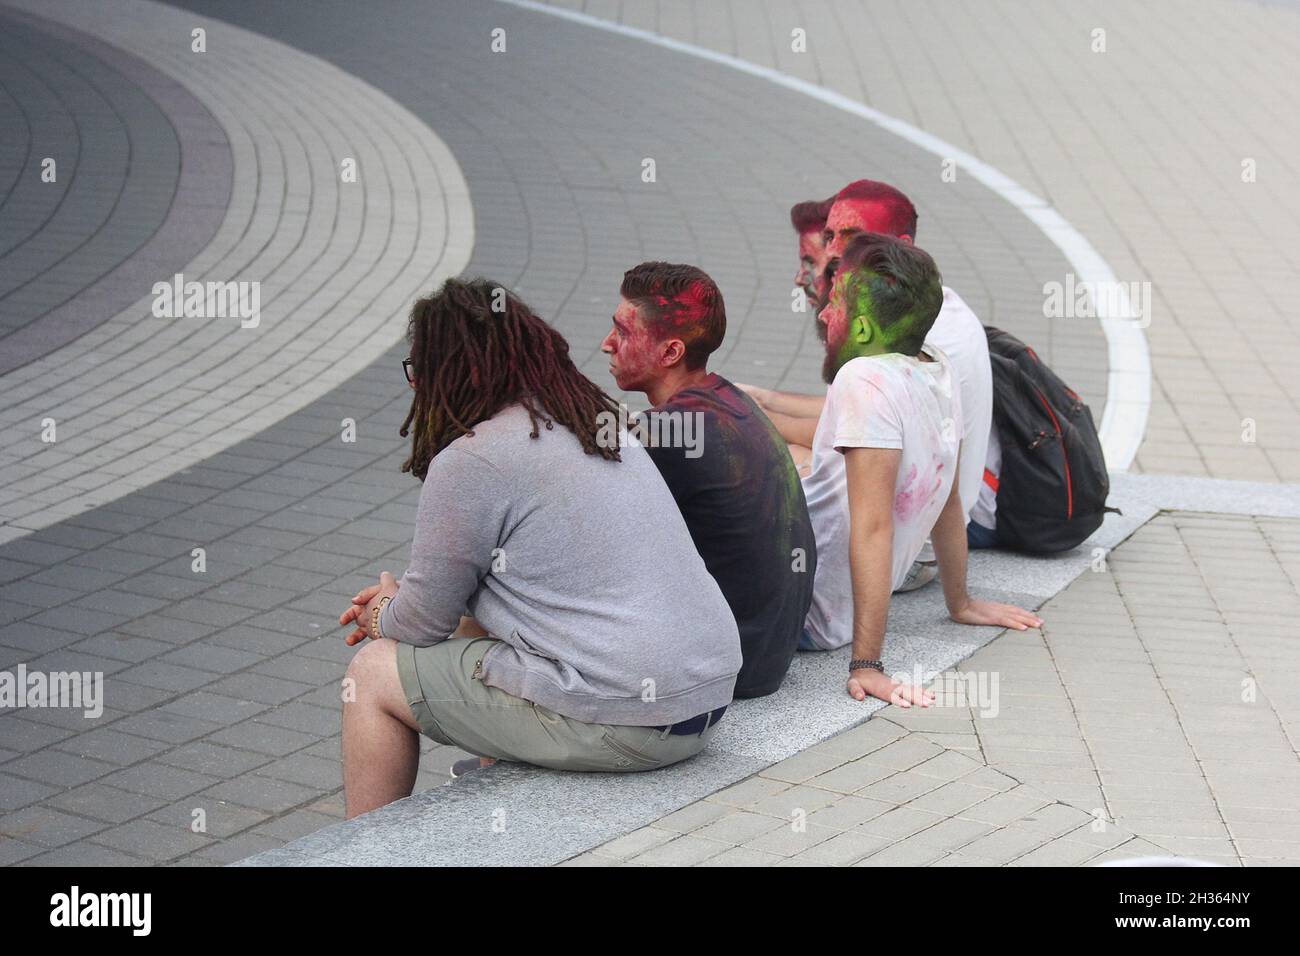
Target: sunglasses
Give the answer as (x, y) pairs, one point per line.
(407, 365)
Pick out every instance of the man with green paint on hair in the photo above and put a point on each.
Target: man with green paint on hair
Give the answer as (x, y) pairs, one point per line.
(884, 458)
(824, 229)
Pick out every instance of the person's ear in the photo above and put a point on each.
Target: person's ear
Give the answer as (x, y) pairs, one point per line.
(905, 238)
(861, 330)
(673, 351)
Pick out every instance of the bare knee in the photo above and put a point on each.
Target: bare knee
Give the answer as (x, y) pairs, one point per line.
(373, 659)
(372, 679)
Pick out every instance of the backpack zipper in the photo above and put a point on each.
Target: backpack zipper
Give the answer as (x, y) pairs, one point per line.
(1065, 456)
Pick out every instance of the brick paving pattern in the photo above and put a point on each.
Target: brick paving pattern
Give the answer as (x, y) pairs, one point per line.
(1154, 716)
(140, 397)
(222, 687)
(1141, 147)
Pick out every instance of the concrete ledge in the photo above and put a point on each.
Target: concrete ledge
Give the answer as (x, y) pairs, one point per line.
(516, 815)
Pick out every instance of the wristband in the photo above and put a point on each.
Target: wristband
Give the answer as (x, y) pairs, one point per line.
(859, 664)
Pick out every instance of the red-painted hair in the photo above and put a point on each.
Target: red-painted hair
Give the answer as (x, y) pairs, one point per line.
(680, 301)
(810, 215)
(899, 211)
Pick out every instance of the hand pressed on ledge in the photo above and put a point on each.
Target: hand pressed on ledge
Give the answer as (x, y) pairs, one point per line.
(996, 615)
(868, 682)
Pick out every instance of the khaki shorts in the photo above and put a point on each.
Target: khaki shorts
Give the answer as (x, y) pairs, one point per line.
(454, 707)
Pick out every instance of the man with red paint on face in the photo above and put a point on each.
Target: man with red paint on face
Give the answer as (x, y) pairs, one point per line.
(737, 487)
(809, 221)
(870, 206)
(795, 416)
(885, 459)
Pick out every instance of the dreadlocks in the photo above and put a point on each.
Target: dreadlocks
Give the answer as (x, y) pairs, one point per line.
(475, 349)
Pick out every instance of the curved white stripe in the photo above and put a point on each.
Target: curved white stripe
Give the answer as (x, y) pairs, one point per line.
(1128, 384)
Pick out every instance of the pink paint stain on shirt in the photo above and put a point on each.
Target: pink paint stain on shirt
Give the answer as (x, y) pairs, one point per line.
(916, 494)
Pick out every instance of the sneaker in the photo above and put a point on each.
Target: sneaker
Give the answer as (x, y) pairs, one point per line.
(919, 575)
(468, 765)
(462, 767)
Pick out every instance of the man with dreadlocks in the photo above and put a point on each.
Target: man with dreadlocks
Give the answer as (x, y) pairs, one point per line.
(554, 610)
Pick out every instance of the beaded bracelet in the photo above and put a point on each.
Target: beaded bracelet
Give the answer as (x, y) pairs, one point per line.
(375, 612)
(857, 665)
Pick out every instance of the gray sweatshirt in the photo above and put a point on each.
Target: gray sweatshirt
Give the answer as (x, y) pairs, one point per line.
(583, 568)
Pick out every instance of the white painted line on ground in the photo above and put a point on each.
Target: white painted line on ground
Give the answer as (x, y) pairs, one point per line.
(1258, 499)
(1128, 382)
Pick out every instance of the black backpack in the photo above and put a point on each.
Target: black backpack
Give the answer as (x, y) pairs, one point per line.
(1051, 493)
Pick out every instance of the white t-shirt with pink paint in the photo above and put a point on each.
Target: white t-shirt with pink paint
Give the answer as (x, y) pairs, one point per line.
(959, 334)
(881, 401)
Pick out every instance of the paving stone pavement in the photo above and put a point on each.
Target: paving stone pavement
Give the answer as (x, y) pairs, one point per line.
(336, 264)
(123, 142)
(222, 687)
(1168, 146)
(1154, 716)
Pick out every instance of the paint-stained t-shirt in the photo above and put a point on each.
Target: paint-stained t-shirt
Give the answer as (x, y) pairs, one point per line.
(881, 401)
(740, 494)
(960, 336)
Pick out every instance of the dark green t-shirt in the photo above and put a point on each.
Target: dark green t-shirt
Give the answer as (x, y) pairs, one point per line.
(744, 506)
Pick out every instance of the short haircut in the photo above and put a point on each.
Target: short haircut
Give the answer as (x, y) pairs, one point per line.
(900, 214)
(904, 283)
(810, 215)
(679, 301)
